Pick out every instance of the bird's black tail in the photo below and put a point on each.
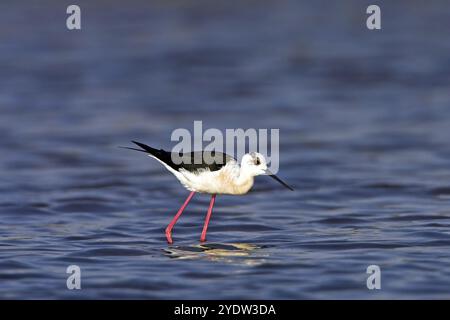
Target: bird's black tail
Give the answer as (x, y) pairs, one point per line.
(160, 154)
(148, 149)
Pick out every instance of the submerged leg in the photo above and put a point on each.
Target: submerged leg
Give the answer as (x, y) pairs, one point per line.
(174, 220)
(208, 216)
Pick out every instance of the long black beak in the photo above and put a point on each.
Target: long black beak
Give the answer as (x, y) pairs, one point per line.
(270, 174)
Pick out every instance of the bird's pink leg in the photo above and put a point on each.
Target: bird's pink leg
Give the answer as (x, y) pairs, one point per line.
(208, 216)
(174, 220)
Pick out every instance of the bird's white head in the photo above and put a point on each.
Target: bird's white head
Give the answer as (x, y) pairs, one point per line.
(254, 164)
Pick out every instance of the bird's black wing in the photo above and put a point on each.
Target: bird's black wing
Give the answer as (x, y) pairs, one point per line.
(198, 160)
(192, 161)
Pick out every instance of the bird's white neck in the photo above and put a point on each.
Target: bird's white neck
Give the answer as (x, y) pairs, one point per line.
(244, 181)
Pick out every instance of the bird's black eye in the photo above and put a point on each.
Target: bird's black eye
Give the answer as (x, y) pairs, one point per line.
(257, 162)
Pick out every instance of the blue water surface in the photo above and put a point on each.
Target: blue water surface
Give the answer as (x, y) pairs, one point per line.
(364, 119)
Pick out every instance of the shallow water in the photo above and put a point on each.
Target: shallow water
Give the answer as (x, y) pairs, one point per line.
(364, 122)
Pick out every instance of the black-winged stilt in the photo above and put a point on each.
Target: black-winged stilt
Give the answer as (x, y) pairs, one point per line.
(208, 175)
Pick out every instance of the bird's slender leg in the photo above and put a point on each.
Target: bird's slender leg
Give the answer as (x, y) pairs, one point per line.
(208, 216)
(174, 220)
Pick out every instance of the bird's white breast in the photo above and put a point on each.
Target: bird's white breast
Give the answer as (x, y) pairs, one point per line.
(223, 181)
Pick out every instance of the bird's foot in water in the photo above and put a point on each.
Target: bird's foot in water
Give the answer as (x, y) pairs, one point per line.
(169, 236)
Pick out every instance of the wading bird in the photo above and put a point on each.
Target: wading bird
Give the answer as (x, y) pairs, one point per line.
(209, 172)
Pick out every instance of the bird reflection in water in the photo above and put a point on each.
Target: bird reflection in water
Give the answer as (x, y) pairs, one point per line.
(241, 253)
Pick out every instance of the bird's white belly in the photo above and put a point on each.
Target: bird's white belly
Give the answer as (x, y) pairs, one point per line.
(223, 181)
